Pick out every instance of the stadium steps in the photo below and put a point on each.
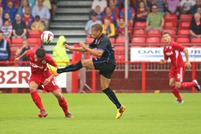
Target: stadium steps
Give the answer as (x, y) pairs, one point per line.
(70, 19)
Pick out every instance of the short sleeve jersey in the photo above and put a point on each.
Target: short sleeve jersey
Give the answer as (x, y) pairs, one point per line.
(39, 67)
(173, 52)
(103, 43)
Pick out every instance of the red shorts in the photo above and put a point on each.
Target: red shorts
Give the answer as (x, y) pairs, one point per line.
(177, 73)
(39, 79)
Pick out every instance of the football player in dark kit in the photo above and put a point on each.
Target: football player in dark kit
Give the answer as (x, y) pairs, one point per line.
(105, 63)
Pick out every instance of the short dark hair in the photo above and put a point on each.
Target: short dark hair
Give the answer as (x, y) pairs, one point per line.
(97, 27)
(166, 33)
(40, 53)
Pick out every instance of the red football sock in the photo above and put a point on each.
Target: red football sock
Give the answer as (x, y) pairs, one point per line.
(175, 91)
(63, 105)
(187, 84)
(37, 100)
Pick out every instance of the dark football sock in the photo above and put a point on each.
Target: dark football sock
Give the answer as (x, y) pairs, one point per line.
(70, 68)
(112, 97)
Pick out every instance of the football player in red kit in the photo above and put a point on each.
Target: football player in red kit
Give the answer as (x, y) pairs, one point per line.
(176, 74)
(42, 77)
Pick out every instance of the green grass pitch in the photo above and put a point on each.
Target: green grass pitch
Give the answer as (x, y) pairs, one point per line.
(95, 114)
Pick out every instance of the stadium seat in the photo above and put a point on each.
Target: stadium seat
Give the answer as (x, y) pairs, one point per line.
(171, 17)
(120, 58)
(112, 40)
(13, 53)
(172, 32)
(170, 25)
(153, 40)
(185, 17)
(36, 42)
(184, 25)
(183, 40)
(183, 33)
(154, 33)
(138, 40)
(139, 33)
(34, 33)
(17, 40)
(140, 25)
(89, 40)
(120, 40)
(196, 40)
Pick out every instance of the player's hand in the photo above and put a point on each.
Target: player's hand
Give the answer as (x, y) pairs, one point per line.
(188, 65)
(162, 61)
(68, 47)
(46, 81)
(83, 45)
(17, 60)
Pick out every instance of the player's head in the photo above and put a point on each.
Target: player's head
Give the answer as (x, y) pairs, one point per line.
(166, 37)
(39, 54)
(96, 30)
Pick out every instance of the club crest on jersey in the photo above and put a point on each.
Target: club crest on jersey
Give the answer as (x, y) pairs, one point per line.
(44, 62)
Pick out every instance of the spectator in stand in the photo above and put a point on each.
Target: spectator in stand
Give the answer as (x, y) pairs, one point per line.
(120, 30)
(113, 7)
(7, 28)
(15, 2)
(186, 6)
(60, 55)
(54, 7)
(22, 7)
(90, 23)
(147, 4)
(46, 3)
(19, 28)
(113, 17)
(27, 17)
(159, 3)
(108, 28)
(172, 6)
(11, 10)
(43, 12)
(6, 16)
(1, 16)
(195, 27)
(37, 24)
(155, 19)
(31, 3)
(199, 10)
(5, 52)
(131, 13)
(101, 3)
(98, 12)
(195, 7)
(142, 12)
(21, 50)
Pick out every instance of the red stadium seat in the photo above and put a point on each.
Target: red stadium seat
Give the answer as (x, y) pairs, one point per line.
(8, 39)
(184, 25)
(171, 17)
(154, 33)
(120, 40)
(153, 40)
(139, 33)
(138, 40)
(183, 33)
(140, 25)
(196, 40)
(119, 50)
(34, 34)
(120, 58)
(89, 40)
(17, 40)
(172, 32)
(112, 40)
(183, 40)
(170, 25)
(36, 42)
(186, 17)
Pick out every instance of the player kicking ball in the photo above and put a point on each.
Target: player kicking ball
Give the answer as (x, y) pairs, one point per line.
(172, 51)
(105, 63)
(42, 77)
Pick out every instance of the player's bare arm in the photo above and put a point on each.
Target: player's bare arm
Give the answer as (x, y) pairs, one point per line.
(21, 56)
(80, 49)
(162, 61)
(187, 64)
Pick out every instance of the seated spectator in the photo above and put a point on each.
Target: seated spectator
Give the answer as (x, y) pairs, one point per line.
(60, 55)
(90, 23)
(199, 10)
(7, 28)
(131, 13)
(15, 2)
(186, 6)
(195, 7)
(22, 7)
(21, 50)
(142, 12)
(43, 12)
(46, 3)
(195, 27)
(5, 52)
(19, 28)
(120, 30)
(159, 3)
(147, 4)
(7, 17)
(108, 28)
(54, 7)
(172, 6)
(27, 17)
(97, 11)
(155, 19)
(37, 24)
(11, 10)
(101, 3)
(113, 7)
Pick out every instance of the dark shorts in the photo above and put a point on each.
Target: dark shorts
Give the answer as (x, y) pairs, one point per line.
(106, 68)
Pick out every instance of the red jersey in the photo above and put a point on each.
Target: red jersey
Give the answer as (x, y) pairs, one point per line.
(173, 52)
(40, 67)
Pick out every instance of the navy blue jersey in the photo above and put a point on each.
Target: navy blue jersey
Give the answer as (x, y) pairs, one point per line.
(103, 43)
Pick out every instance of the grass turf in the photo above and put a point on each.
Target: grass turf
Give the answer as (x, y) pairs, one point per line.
(95, 114)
